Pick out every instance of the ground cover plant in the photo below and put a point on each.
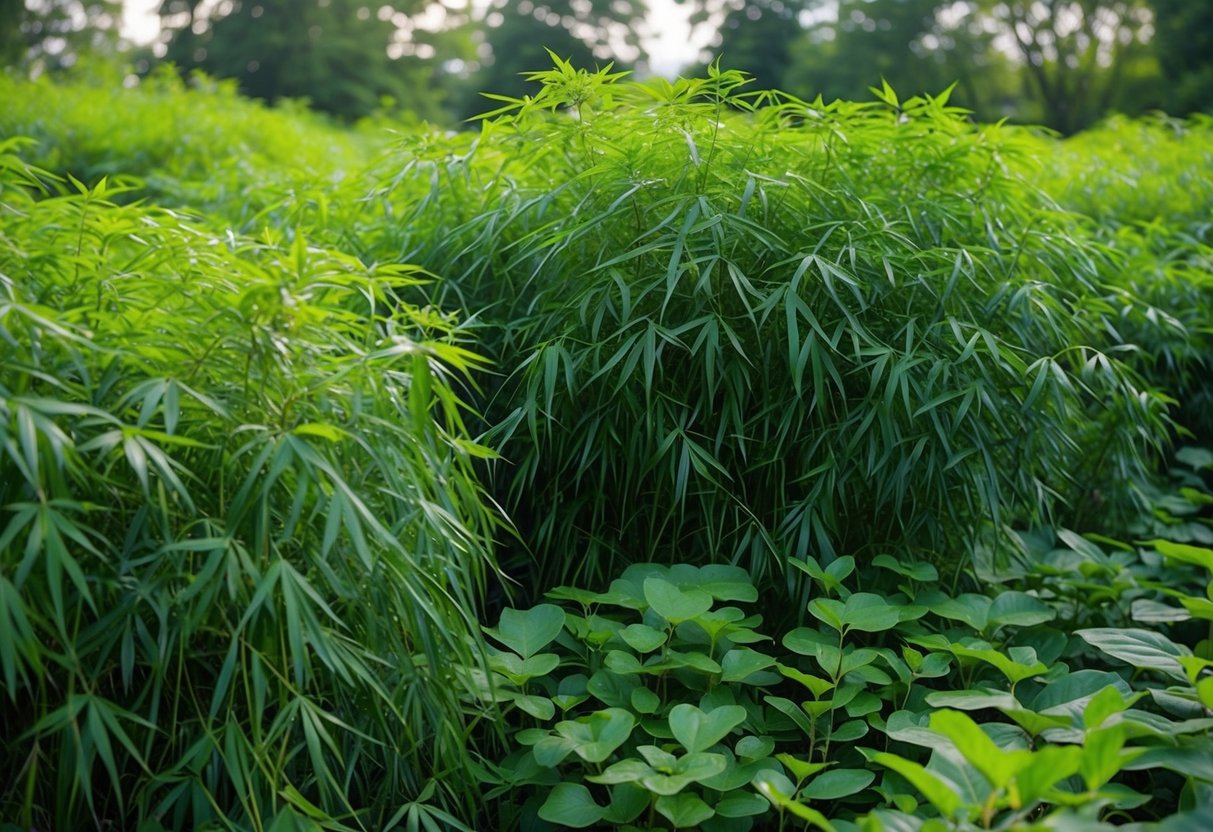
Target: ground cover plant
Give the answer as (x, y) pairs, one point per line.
(845, 465)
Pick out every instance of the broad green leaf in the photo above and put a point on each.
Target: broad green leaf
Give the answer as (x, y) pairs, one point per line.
(1014, 671)
(938, 792)
(645, 701)
(627, 803)
(742, 806)
(539, 707)
(972, 700)
(778, 790)
(1103, 755)
(1183, 553)
(754, 748)
(684, 810)
(699, 731)
(978, 749)
(528, 631)
(570, 804)
(973, 610)
(1018, 609)
(596, 736)
(817, 686)
(915, 571)
(727, 583)
(869, 613)
(800, 769)
(742, 662)
(837, 783)
(1140, 648)
(1071, 693)
(675, 604)
(643, 638)
(829, 612)
(1045, 769)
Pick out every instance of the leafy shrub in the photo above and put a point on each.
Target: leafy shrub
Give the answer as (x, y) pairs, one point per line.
(1145, 184)
(241, 543)
(658, 704)
(200, 146)
(1128, 171)
(753, 335)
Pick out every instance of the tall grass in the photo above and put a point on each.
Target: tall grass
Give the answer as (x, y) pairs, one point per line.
(241, 545)
(750, 327)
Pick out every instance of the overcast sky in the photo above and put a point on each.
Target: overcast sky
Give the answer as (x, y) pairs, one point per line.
(669, 50)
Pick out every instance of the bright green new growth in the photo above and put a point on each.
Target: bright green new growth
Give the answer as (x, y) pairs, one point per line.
(242, 541)
(752, 327)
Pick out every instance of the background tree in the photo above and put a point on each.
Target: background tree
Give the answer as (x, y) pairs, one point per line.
(1183, 40)
(758, 37)
(1078, 55)
(342, 55)
(517, 33)
(50, 35)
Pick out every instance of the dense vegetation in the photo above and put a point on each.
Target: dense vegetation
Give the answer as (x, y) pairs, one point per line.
(656, 455)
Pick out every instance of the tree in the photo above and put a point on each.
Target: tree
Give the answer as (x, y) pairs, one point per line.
(1183, 38)
(1076, 53)
(341, 55)
(517, 34)
(50, 35)
(757, 37)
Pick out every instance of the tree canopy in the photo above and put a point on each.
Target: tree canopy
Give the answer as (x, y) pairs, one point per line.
(341, 55)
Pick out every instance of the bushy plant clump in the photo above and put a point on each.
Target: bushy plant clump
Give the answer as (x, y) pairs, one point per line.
(242, 542)
(196, 144)
(1147, 186)
(1128, 171)
(753, 327)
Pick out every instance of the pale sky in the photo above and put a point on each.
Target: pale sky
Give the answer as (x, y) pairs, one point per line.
(671, 48)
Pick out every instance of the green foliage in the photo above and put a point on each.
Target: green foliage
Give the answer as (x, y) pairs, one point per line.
(659, 704)
(753, 335)
(241, 542)
(1145, 183)
(342, 56)
(41, 36)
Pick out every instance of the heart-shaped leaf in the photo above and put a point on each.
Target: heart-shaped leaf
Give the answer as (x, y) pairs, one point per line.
(526, 632)
(596, 737)
(699, 731)
(684, 810)
(675, 604)
(570, 804)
